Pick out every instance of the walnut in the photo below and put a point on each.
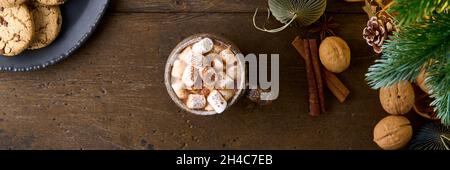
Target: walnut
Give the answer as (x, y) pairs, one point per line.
(392, 132)
(334, 54)
(420, 80)
(398, 98)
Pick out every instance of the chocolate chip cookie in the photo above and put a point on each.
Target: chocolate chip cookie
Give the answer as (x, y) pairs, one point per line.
(51, 2)
(47, 23)
(17, 29)
(10, 3)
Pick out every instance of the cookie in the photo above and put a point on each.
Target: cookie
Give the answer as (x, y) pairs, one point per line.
(10, 3)
(16, 29)
(47, 24)
(51, 2)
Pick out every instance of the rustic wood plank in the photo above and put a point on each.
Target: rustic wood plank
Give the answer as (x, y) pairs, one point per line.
(216, 6)
(110, 94)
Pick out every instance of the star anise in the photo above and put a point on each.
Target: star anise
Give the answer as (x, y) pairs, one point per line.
(325, 26)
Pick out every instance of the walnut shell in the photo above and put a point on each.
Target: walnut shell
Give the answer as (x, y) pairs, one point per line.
(334, 54)
(392, 132)
(420, 80)
(422, 105)
(398, 98)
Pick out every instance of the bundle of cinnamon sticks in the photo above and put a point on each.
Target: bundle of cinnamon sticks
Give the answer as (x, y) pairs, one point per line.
(317, 75)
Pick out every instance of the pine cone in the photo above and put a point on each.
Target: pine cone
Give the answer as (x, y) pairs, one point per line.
(388, 23)
(378, 29)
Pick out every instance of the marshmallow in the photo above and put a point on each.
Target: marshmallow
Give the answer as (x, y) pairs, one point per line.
(185, 53)
(190, 76)
(203, 46)
(178, 68)
(224, 82)
(218, 103)
(227, 94)
(232, 72)
(175, 79)
(209, 76)
(214, 60)
(218, 65)
(195, 60)
(180, 90)
(228, 57)
(196, 101)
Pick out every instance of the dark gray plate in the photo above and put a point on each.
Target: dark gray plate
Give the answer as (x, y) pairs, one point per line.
(80, 18)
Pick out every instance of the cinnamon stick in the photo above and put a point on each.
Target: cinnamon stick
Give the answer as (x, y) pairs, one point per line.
(299, 46)
(313, 92)
(302, 47)
(317, 72)
(336, 86)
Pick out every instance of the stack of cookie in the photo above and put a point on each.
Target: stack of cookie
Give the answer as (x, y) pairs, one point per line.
(28, 24)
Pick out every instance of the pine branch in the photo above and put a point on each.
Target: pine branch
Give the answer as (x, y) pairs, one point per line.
(408, 50)
(439, 83)
(410, 11)
(406, 53)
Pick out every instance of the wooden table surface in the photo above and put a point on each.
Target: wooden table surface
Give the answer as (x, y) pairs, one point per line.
(110, 94)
